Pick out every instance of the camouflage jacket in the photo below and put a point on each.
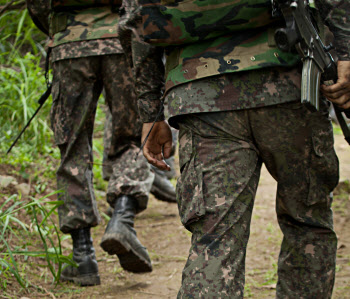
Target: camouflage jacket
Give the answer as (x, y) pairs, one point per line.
(84, 32)
(245, 50)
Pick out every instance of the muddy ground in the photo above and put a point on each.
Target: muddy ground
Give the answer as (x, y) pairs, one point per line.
(160, 230)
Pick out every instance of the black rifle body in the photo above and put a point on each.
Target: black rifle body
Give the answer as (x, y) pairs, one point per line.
(318, 63)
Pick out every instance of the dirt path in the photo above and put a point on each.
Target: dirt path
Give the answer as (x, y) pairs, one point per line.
(160, 230)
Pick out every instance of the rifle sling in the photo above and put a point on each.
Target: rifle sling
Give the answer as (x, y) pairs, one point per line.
(41, 101)
(343, 125)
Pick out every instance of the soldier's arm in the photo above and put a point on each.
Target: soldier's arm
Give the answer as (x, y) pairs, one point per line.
(39, 11)
(149, 84)
(149, 77)
(336, 14)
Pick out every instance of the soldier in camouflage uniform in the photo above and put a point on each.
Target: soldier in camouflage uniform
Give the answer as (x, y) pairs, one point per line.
(161, 188)
(235, 98)
(86, 57)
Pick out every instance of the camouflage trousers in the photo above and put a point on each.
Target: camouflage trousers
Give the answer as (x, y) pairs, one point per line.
(77, 86)
(221, 154)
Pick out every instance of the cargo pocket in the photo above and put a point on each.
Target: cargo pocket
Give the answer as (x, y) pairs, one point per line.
(324, 166)
(58, 115)
(189, 188)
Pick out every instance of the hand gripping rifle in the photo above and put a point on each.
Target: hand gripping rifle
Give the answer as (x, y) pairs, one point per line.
(318, 63)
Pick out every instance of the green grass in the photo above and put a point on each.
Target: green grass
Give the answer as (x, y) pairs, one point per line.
(29, 236)
(20, 238)
(21, 84)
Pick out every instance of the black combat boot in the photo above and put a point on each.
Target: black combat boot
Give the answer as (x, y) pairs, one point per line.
(84, 255)
(120, 238)
(162, 188)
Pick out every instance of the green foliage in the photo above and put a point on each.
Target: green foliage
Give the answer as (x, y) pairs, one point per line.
(99, 183)
(271, 275)
(18, 236)
(21, 84)
(29, 236)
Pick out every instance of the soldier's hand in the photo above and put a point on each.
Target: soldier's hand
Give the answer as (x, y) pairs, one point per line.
(158, 145)
(339, 93)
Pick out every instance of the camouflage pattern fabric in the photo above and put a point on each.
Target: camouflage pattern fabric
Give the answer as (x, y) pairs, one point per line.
(184, 67)
(148, 85)
(242, 51)
(336, 15)
(84, 24)
(77, 85)
(86, 48)
(236, 91)
(230, 123)
(178, 22)
(221, 154)
(119, 165)
(39, 11)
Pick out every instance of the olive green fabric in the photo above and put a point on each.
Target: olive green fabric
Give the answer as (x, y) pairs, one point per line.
(39, 11)
(77, 86)
(216, 37)
(220, 156)
(84, 24)
(243, 51)
(172, 22)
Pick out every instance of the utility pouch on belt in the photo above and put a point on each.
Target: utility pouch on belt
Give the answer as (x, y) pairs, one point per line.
(58, 22)
(173, 22)
(66, 5)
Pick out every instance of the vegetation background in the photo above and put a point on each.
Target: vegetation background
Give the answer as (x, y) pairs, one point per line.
(32, 249)
(29, 236)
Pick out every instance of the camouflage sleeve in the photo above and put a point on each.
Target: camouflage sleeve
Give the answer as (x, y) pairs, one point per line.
(149, 79)
(146, 61)
(336, 14)
(39, 11)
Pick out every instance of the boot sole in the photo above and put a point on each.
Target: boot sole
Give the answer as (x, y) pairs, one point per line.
(83, 280)
(129, 259)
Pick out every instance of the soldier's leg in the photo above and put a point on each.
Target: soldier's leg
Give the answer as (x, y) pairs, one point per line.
(131, 179)
(219, 175)
(161, 188)
(297, 148)
(107, 169)
(75, 92)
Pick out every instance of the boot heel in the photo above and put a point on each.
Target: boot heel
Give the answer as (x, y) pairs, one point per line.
(120, 238)
(115, 243)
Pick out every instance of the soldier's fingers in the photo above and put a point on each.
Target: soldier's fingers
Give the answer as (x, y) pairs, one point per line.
(155, 159)
(344, 105)
(167, 149)
(338, 88)
(340, 96)
(342, 102)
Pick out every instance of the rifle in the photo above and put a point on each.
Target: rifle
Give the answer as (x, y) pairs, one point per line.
(318, 63)
(41, 101)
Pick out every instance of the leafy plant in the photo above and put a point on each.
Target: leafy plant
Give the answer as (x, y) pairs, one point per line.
(22, 81)
(17, 236)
